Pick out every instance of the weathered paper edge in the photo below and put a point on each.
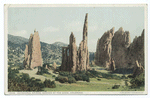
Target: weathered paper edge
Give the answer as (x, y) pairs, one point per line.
(6, 6)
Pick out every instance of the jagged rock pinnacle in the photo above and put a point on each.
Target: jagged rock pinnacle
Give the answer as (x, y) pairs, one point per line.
(33, 55)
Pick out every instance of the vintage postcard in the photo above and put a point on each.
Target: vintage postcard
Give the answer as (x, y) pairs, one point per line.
(75, 49)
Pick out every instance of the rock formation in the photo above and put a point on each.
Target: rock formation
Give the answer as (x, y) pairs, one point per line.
(136, 50)
(54, 65)
(33, 57)
(26, 60)
(46, 67)
(73, 60)
(83, 53)
(69, 55)
(111, 66)
(138, 69)
(120, 43)
(103, 51)
(120, 48)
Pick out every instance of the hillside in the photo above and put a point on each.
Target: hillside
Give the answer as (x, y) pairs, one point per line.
(50, 52)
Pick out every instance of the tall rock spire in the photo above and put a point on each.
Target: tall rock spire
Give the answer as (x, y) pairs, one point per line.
(73, 60)
(83, 53)
(85, 28)
(33, 55)
(72, 53)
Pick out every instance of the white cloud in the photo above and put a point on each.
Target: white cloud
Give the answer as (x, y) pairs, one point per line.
(51, 29)
(74, 26)
(93, 28)
(22, 33)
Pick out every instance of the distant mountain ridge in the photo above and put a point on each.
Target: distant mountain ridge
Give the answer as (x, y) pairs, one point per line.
(50, 52)
(60, 44)
(17, 39)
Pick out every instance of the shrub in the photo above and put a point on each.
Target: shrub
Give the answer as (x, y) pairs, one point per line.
(61, 79)
(78, 77)
(130, 76)
(50, 84)
(124, 77)
(115, 86)
(85, 78)
(37, 79)
(71, 79)
(138, 80)
(99, 79)
(24, 82)
(42, 70)
(53, 76)
(65, 73)
(81, 75)
(56, 79)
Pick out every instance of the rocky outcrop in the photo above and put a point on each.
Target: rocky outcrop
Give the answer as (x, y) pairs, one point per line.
(136, 50)
(138, 69)
(33, 57)
(120, 43)
(119, 47)
(54, 65)
(111, 66)
(69, 55)
(83, 53)
(26, 62)
(73, 60)
(103, 51)
(72, 53)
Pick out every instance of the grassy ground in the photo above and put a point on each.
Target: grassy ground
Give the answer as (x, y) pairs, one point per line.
(93, 85)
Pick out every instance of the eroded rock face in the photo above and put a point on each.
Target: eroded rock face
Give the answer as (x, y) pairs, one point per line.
(83, 53)
(103, 51)
(25, 62)
(73, 53)
(111, 66)
(73, 60)
(136, 51)
(138, 69)
(69, 55)
(120, 43)
(123, 52)
(33, 57)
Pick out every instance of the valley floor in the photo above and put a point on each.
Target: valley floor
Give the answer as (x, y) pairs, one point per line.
(94, 85)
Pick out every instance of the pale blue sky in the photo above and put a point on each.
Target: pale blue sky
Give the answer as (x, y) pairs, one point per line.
(56, 24)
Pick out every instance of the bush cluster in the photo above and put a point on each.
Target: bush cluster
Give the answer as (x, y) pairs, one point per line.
(23, 82)
(50, 84)
(42, 70)
(115, 86)
(81, 75)
(72, 78)
(138, 80)
(62, 79)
